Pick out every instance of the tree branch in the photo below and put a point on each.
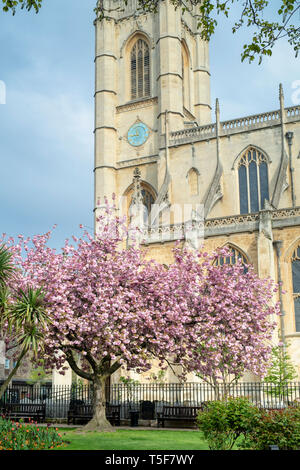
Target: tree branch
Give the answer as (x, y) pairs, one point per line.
(72, 363)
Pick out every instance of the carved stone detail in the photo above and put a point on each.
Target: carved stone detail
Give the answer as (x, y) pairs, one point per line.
(214, 193)
(142, 103)
(281, 183)
(235, 126)
(136, 210)
(194, 231)
(137, 161)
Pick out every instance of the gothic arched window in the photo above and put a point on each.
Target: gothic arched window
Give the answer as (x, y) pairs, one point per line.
(185, 76)
(234, 255)
(193, 181)
(140, 70)
(253, 181)
(296, 285)
(148, 200)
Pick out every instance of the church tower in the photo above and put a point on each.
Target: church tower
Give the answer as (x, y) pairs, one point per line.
(151, 68)
(155, 142)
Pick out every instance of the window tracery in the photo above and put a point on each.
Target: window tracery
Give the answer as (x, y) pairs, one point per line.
(253, 181)
(232, 258)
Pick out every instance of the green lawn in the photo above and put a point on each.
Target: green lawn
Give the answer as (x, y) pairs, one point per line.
(129, 439)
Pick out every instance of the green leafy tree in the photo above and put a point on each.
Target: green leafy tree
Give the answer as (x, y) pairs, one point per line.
(158, 377)
(281, 373)
(269, 20)
(12, 5)
(130, 385)
(38, 376)
(24, 319)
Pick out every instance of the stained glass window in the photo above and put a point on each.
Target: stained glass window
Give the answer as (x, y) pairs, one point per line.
(253, 181)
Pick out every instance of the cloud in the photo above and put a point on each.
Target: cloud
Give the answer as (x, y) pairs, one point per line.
(46, 145)
(64, 120)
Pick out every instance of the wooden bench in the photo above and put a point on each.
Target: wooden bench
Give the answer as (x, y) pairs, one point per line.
(177, 413)
(84, 413)
(34, 411)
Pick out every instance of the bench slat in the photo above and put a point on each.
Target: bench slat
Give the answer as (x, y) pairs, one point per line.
(25, 410)
(187, 413)
(85, 412)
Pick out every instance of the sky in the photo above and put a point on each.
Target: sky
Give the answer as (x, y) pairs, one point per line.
(46, 125)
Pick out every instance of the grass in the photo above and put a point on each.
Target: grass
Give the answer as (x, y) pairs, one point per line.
(129, 439)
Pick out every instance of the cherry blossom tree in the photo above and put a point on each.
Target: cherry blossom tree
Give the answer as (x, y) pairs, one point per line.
(110, 307)
(231, 317)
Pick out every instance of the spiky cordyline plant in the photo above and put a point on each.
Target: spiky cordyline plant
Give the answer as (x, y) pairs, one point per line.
(25, 318)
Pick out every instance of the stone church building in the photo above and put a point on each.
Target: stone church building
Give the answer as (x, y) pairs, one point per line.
(160, 142)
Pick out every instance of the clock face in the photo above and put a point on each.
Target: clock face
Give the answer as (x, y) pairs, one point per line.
(138, 134)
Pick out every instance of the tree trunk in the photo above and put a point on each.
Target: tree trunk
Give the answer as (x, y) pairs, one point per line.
(99, 421)
(2, 359)
(7, 381)
(216, 387)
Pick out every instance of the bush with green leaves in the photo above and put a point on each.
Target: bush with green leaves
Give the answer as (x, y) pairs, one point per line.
(21, 436)
(223, 422)
(276, 427)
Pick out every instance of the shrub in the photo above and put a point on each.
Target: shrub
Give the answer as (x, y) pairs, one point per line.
(21, 436)
(223, 422)
(277, 427)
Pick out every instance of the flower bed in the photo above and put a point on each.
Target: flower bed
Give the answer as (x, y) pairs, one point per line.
(31, 436)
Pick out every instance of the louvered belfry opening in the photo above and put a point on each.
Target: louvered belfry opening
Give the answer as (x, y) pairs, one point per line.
(140, 70)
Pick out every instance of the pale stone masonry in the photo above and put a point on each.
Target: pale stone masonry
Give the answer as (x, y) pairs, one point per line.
(186, 157)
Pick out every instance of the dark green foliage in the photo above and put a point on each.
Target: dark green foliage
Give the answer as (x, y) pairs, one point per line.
(25, 319)
(223, 422)
(12, 5)
(238, 421)
(268, 23)
(280, 427)
(6, 265)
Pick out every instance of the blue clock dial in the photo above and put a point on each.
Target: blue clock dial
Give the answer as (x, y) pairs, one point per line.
(138, 134)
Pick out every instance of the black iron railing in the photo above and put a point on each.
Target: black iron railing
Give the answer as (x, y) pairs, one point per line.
(148, 398)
